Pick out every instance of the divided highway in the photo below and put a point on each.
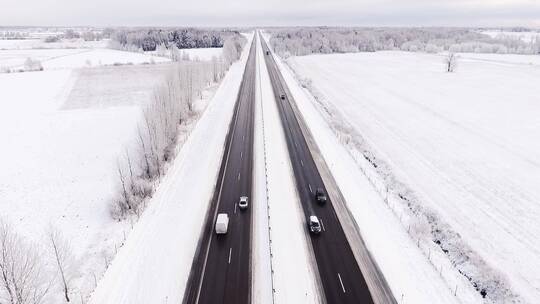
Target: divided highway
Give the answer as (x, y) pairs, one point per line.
(341, 277)
(221, 271)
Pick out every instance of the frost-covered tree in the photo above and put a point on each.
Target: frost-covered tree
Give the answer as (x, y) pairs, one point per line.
(23, 274)
(450, 62)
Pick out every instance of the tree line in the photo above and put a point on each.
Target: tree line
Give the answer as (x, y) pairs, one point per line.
(324, 40)
(184, 38)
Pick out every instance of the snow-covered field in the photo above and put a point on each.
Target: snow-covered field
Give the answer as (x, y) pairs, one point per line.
(74, 58)
(63, 129)
(58, 170)
(22, 44)
(464, 142)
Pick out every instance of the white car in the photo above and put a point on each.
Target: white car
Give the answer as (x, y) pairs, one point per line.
(222, 223)
(243, 203)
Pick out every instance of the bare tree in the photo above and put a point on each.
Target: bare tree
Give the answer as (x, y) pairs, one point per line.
(450, 62)
(61, 249)
(23, 275)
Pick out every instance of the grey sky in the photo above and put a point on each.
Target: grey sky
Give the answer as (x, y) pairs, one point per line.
(271, 12)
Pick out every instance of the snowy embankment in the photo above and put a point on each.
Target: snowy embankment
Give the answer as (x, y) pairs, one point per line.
(153, 266)
(454, 153)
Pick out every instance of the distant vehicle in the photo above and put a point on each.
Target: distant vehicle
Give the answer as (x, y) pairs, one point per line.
(267, 52)
(320, 196)
(243, 203)
(282, 96)
(222, 223)
(314, 224)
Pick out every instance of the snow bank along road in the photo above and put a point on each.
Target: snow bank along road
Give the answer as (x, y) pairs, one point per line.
(221, 267)
(341, 277)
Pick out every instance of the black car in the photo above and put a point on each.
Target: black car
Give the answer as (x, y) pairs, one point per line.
(320, 196)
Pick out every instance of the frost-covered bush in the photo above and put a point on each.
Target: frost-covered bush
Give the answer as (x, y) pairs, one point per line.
(232, 48)
(50, 39)
(432, 48)
(31, 65)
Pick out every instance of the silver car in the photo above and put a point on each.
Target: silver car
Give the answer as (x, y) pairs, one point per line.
(243, 203)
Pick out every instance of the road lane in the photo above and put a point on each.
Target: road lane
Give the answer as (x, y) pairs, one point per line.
(221, 270)
(341, 277)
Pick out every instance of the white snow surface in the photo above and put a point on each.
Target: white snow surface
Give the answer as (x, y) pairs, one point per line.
(464, 142)
(154, 264)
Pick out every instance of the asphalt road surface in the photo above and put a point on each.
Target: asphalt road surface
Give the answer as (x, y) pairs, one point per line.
(340, 274)
(221, 271)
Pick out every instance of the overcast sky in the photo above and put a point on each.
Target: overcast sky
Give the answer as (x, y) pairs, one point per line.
(271, 12)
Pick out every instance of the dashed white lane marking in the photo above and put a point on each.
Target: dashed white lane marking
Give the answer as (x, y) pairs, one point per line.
(310, 190)
(341, 282)
(230, 252)
(235, 208)
(238, 175)
(322, 224)
(302, 163)
(241, 154)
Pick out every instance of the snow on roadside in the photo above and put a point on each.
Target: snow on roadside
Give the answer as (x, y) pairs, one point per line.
(295, 271)
(412, 278)
(153, 266)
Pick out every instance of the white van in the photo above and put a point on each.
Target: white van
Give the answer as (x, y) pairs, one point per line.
(222, 223)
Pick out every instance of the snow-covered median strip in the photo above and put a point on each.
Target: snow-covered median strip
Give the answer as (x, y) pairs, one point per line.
(295, 271)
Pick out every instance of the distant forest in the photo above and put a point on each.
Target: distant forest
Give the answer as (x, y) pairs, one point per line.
(325, 40)
(184, 38)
